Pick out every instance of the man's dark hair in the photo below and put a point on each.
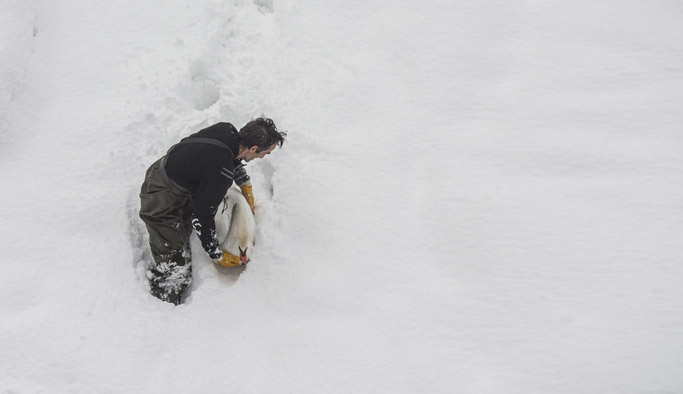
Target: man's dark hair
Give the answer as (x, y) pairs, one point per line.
(261, 132)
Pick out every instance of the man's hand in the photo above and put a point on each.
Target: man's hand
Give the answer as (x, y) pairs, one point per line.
(228, 260)
(248, 194)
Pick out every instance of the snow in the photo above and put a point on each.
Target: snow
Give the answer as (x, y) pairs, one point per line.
(474, 197)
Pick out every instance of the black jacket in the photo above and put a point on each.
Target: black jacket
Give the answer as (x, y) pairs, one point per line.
(207, 171)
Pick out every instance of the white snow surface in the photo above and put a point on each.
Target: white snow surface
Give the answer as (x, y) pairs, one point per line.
(474, 197)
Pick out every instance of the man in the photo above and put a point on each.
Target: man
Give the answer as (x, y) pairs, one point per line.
(184, 189)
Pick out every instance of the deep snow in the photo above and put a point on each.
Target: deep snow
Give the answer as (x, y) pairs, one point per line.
(475, 197)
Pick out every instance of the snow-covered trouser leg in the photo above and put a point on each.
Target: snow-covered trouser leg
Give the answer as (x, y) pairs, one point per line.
(168, 219)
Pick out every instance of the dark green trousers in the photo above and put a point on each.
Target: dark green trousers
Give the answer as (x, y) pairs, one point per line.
(167, 216)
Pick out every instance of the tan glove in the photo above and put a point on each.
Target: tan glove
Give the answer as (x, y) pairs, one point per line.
(228, 260)
(248, 194)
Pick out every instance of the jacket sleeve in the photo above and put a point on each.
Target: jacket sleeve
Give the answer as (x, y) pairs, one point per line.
(241, 176)
(215, 184)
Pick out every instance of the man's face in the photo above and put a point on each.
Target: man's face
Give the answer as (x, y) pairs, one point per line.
(253, 154)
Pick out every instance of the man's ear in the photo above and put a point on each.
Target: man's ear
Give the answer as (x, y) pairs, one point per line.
(253, 149)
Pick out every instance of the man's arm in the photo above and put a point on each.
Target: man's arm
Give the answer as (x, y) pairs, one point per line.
(208, 198)
(242, 180)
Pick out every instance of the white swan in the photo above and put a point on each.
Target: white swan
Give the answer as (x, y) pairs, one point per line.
(236, 225)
